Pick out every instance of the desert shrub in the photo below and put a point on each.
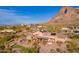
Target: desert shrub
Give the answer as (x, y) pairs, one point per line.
(59, 43)
(76, 50)
(44, 42)
(72, 46)
(52, 51)
(68, 46)
(73, 36)
(2, 47)
(32, 50)
(70, 50)
(58, 50)
(27, 50)
(3, 51)
(7, 38)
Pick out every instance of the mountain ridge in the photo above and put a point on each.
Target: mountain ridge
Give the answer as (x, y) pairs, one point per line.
(65, 15)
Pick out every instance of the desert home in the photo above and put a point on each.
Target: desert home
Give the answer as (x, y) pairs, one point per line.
(8, 30)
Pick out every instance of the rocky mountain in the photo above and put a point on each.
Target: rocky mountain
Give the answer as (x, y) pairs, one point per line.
(67, 15)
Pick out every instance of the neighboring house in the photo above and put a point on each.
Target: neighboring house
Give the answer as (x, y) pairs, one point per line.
(40, 26)
(42, 34)
(70, 30)
(16, 50)
(29, 37)
(8, 30)
(51, 40)
(38, 33)
(76, 31)
(65, 30)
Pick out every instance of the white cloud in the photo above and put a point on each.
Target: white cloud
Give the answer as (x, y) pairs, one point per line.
(11, 16)
(8, 14)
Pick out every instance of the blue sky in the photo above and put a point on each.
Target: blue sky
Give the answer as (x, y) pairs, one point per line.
(27, 14)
